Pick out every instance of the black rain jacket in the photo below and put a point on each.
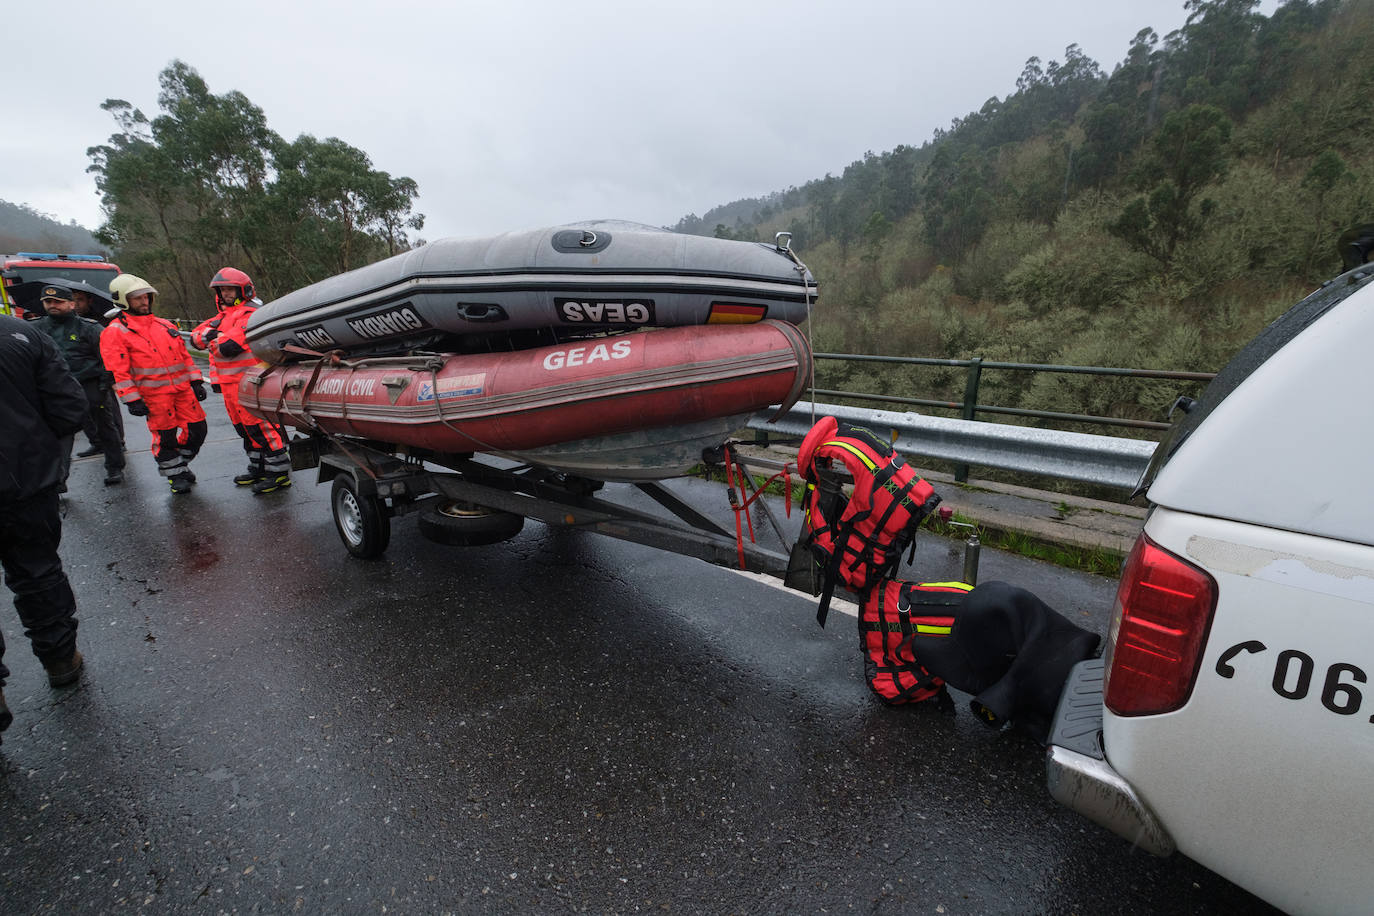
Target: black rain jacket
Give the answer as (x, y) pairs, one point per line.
(79, 340)
(40, 401)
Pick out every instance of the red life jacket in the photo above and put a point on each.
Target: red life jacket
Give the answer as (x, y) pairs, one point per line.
(890, 616)
(858, 541)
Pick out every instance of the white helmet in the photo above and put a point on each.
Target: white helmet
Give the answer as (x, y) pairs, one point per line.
(126, 285)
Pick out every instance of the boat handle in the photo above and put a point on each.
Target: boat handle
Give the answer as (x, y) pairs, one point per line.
(481, 311)
(783, 241)
(588, 238)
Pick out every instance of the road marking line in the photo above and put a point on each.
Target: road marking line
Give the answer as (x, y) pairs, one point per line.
(836, 604)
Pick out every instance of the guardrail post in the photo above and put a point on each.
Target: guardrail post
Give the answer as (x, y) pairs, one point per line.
(975, 374)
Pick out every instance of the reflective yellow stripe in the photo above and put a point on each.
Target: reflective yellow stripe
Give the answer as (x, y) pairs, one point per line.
(962, 586)
(939, 631)
(157, 370)
(849, 448)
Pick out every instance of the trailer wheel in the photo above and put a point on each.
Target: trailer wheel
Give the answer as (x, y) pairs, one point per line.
(362, 521)
(460, 524)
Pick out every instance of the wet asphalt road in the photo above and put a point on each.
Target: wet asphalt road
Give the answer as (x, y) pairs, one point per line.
(560, 723)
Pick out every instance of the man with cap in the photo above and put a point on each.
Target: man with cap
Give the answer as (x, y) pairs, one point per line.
(78, 340)
(40, 403)
(155, 378)
(94, 303)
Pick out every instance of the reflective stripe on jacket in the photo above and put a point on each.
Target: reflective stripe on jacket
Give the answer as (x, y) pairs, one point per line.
(146, 354)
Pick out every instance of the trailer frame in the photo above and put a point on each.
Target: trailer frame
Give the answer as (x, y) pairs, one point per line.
(374, 482)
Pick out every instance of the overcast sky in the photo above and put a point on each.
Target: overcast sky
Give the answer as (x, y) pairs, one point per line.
(515, 114)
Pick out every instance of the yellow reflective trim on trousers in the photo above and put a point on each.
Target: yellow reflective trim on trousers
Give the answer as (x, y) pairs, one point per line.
(960, 585)
(849, 448)
(938, 631)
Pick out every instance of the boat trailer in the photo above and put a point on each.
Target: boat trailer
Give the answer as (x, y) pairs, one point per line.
(474, 501)
(468, 500)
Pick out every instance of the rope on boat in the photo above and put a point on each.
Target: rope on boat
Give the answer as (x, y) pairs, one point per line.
(803, 270)
(334, 358)
(434, 365)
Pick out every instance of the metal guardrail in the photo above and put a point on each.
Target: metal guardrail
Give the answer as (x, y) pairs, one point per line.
(1108, 461)
(969, 407)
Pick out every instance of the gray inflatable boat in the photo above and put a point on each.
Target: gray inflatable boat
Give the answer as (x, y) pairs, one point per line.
(564, 281)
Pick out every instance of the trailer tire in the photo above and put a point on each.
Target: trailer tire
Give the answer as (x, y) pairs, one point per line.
(362, 521)
(460, 524)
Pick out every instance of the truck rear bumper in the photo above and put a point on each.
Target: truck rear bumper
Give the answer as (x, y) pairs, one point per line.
(1078, 774)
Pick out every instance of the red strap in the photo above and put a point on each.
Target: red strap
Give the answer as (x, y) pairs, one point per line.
(736, 505)
(740, 507)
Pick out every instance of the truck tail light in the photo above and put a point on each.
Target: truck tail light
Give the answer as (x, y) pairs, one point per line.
(1164, 608)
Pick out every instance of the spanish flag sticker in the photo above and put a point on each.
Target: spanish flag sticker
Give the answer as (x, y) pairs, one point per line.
(735, 313)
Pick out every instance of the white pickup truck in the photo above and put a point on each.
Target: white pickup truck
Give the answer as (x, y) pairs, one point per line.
(1231, 716)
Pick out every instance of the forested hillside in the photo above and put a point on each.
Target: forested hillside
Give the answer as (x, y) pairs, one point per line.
(23, 228)
(1156, 216)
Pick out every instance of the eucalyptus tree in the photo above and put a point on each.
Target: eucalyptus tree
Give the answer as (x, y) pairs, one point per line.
(1189, 151)
(328, 210)
(207, 183)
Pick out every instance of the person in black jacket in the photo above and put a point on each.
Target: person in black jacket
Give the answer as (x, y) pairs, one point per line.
(79, 341)
(94, 304)
(40, 403)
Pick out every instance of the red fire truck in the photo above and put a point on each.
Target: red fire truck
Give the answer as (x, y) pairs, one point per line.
(22, 276)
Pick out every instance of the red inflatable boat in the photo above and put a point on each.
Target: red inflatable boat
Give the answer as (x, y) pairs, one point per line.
(627, 406)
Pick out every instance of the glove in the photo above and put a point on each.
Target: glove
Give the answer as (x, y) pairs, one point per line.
(230, 348)
(198, 387)
(209, 335)
(137, 408)
(216, 388)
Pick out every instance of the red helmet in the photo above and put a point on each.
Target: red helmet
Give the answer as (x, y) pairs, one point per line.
(236, 279)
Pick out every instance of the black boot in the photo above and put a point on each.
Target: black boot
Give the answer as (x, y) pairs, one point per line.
(60, 674)
(272, 483)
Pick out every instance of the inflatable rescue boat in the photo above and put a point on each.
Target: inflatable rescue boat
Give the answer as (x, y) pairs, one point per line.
(628, 406)
(593, 277)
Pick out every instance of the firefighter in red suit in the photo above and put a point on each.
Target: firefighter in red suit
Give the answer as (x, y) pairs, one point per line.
(155, 378)
(223, 337)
